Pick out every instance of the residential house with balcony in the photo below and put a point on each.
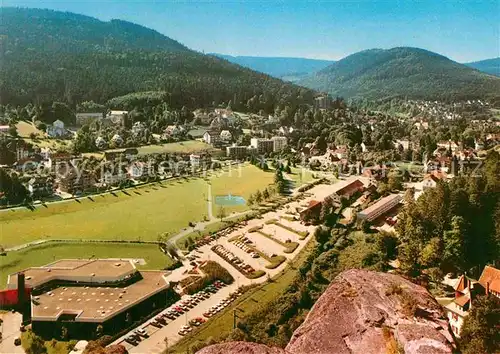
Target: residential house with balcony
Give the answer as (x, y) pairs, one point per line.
(41, 187)
(262, 146)
(56, 129)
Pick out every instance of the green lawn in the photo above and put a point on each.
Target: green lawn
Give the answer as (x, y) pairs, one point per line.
(251, 301)
(239, 181)
(24, 129)
(301, 176)
(141, 215)
(135, 214)
(187, 147)
(47, 253)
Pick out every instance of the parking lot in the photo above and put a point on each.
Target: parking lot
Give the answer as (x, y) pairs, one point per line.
(228, 247)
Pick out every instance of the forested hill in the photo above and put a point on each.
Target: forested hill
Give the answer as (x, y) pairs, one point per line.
(59, 56)
(403, 72)
(54, 31)
(489, 66)
(290, 69)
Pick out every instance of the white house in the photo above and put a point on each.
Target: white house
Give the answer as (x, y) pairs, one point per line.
(285, 130)
(211, 137)
(431, 180)
(4, 129)
(100, 142)
(137, 128)
(116, 117)
(279, 143)
(56, 130)
(404, 143)
(137, 169)
(447, 145)
(226, 136)
(111, 179)
(117, 139)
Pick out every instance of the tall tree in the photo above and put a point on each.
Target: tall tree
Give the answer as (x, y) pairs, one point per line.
(481, 329)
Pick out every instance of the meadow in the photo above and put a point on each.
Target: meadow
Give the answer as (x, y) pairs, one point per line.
(134, 214)
(186, 147)
(239, 182)
(46, 253)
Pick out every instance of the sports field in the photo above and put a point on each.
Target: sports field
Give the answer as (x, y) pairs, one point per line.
(47, 253)
(133, 214)
(190, 146)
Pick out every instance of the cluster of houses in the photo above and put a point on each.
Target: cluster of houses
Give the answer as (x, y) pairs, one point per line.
(466, 292)
(46, 173)
(355, 191)
(109, 119)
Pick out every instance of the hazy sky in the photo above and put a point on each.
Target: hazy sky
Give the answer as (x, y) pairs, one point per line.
(461, 30)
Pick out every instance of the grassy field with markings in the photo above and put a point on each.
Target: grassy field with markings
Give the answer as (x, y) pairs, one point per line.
(134, 214)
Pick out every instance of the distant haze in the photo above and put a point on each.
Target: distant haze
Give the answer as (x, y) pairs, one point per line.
(489, 66)
(290, 69)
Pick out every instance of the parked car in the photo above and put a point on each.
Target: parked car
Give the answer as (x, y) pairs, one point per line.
(141, 332)
(156, 324)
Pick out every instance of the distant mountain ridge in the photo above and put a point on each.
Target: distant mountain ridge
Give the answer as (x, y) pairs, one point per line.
(61, 56)
(402, 72)
(287, 68)
(489, 66)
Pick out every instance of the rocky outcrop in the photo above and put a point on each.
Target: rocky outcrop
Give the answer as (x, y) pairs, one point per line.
(364, 312)
(369, 312)
(240, 348)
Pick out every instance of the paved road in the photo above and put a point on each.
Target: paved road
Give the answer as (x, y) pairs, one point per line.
(10, 331)
(209, 202)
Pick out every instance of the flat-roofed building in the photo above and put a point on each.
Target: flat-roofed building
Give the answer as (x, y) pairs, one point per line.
(279, 143)
(88, 118)
(236, 152)
(262, 146)
(81, 294)
(381, 207)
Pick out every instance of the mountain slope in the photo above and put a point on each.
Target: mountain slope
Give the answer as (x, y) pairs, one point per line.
(402, 72)
(59, 56)
(489, 66)
(290, 69)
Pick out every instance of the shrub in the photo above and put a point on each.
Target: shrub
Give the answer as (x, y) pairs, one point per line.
(275, 262)
(175, 265)
(394, 289)
(257, 274)
(213, 271)
(255, 228)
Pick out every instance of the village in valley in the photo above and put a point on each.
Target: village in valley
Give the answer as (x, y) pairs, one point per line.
(277, 177)
(250, 190)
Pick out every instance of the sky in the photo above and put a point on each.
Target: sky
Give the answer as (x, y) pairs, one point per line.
(323, 29)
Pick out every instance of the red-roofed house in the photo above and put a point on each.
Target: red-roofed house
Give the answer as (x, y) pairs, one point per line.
(466, 291)
(312, 211)
(490, 280)
(349, 190)
(457, 310)
(431, 179)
